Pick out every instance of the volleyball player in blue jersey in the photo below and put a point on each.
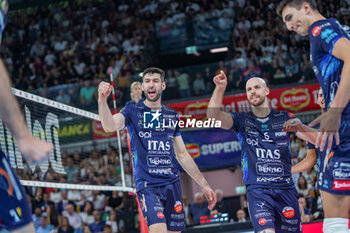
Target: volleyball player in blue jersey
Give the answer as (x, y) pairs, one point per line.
(156, 153)
(15, 213)
(266, 160)
(330, 58)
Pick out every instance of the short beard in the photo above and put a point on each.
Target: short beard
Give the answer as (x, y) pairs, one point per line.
(159, 94)
(259, 103)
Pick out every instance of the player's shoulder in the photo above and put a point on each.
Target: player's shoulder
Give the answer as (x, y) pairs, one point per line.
(323, 29)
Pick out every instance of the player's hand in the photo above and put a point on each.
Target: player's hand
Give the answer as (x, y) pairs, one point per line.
(329, 128)
(220, 80)
(210, 196)
(104, 90)
(292, 125)
(34, 149)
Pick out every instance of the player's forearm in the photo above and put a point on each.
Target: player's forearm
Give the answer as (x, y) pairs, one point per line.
(215, 102)
(306, 163)
(191, 168)
(342, 96)
(106, 117)
(307, 134)
(10, 112)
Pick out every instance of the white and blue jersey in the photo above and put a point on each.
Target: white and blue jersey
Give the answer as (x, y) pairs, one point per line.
(152, 152)
(266, 158)
(334, 174)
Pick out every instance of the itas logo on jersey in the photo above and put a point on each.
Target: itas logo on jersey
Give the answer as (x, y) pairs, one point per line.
(178, 207)
(341, 185)
(316, 31)
(268, 154)
(152, 120)
(288, 212)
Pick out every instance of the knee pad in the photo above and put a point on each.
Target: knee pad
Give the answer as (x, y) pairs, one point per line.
(336, 225)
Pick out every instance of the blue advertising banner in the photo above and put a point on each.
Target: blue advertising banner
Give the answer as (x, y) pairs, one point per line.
(213, 148)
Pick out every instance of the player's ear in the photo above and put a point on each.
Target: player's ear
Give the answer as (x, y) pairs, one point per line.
(267, 91)
(142, 88)
(163, 86)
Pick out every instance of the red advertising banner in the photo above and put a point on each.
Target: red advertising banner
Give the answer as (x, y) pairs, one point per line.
(293, 99)
(99, 133)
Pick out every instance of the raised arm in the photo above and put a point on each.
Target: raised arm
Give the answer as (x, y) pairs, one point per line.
(110, 123)
(215, 102)
(308, 162)
(187, 163)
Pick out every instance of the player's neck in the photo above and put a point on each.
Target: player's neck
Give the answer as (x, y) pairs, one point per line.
(316, 17)
(261, 111)
(153, 104)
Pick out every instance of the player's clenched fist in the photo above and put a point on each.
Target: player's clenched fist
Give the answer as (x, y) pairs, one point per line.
(104, 90)
(220, 80)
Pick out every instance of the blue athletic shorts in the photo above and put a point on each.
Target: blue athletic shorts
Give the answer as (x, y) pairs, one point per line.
(274, 208)
(15, 210)
(334, 175)
(163, 205)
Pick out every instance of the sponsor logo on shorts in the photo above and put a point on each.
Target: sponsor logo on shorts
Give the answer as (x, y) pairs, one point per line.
(262, 221)
(178, 216)
(288, 212)
(262, 214)
(291, 221)
(316, 31)
(341, 174)
(177, 224)
(341, 185)
(288, 228)
(158, 208)
(160, 215)
(178, 207)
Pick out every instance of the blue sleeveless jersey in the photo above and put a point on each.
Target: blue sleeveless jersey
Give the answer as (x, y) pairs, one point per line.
(323, 35)
(153, 157)
(266, 158)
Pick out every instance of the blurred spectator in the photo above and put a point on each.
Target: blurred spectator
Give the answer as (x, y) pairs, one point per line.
(241, 216)
(115, 201)
(305, 188)
(44, 226)
(55, 196)
(63, 97)
(186, 208)
(74, 218)
(36, 217)
(251, 70)
(292, 70)
(112, 221)
(305, 212)
(64, 226)
(87, 95)
(71, 170)
(198, 209)
(183, 83)
(63, 204)
(171, 86)
(199, 85)
(98, 225)
(87, 216)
